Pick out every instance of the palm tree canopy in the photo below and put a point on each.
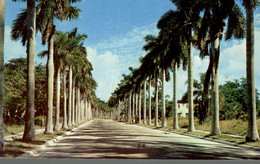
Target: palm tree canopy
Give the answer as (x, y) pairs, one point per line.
(46, 11)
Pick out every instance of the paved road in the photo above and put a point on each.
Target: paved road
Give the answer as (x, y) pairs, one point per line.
(110, 139)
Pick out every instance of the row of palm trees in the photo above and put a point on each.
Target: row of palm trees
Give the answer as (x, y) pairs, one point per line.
(199, 24)
(65, 55)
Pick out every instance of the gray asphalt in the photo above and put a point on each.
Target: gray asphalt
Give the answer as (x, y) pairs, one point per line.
(100, 139)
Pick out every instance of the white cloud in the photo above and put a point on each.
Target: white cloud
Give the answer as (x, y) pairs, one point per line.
(129, 39)
(106, 72)
(257, 19)
(12, 49)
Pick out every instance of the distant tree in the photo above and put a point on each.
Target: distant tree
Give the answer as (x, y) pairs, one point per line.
(235, 99)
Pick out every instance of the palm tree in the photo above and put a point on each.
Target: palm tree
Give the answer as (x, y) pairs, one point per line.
(175, 49)
(252, 132)
(2, 28)
(150, 64)
(28, 35)
(29, 130)
(75, 48)
(190, 10)
(46, 11)
(210, 32)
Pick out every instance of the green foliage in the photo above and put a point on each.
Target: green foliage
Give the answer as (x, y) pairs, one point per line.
(40, 90)
(15, 90)
(234, 100)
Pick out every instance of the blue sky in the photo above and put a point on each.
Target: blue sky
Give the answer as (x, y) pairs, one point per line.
(116, 29)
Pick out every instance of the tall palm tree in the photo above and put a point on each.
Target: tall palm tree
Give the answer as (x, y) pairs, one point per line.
(75, 49)
(252, 132)
(151, 61)
(175, 49)
(2, 32)
(29, 130)
(46, 11)
(190, 9)
(28, 35)
(210, 32)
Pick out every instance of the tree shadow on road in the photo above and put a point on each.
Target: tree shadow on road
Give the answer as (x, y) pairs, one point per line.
(98, 142)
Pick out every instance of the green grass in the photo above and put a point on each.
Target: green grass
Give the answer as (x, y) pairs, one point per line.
(15, 129)
(234, 127)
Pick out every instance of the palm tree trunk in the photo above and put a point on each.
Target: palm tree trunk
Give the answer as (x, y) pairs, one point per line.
(50, 76)
(78, 105)
(133, 98)
(191, 127)
(150, 104)
(80, 108)
(57, 120)
(136, 106)
(90, 111)
(2, 32)
(163, 100)
(86, 108)
(73, 103)
(118, 111)
(70, 97)
(83, 109)
(252, 132)
(65, 119)
(175, 102)
(144, 102)
(129, 108)
(156, 101)
(29, 130)
(139, 107)
(87, 113)
(215, 130)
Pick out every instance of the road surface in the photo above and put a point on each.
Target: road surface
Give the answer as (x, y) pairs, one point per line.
(111, 139)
